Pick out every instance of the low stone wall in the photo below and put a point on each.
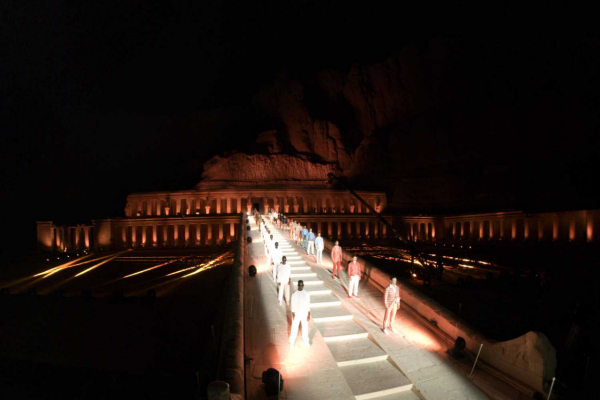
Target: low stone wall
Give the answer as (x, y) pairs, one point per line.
(231, 355)
(530, 358)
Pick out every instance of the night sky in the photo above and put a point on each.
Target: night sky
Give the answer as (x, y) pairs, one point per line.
(103, 101)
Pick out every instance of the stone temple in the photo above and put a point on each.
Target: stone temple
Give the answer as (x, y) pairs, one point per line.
(295, 185)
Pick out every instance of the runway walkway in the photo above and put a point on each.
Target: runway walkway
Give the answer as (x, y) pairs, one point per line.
(350, 357)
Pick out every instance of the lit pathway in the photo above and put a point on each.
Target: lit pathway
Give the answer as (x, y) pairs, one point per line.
(350, 357)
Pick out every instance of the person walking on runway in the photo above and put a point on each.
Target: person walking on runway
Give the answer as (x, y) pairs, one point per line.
(284, 280)
(391, 300)
(300, 314)
(336, 257)
(319, 246)
(354, 275)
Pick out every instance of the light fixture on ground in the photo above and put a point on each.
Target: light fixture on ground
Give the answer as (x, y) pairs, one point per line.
(252, 271)
(273, 381)
(459, 346)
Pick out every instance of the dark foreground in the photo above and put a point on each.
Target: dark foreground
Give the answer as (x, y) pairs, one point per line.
(99, 335)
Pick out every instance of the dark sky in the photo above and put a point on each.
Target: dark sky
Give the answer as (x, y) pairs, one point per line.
(100, 101)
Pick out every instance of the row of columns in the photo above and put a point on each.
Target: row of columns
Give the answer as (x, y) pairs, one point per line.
(149, 236)
(322, 205)
(572, 226)
(70, 238)
(228, 205)
(184, 206)
(345, 228)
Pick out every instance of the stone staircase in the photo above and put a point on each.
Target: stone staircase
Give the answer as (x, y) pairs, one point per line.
(367, 369)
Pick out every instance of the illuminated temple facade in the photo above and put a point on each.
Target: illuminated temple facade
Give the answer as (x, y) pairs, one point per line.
(210, 213)
(204, 217)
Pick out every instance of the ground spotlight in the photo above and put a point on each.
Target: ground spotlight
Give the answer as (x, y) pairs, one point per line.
(273, 381)
(459, 346)
(249, 240)
(252, 270)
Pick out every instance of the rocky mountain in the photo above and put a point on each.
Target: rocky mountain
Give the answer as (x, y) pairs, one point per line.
(444, 124)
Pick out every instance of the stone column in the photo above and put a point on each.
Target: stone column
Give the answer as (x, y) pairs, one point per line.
(513, 229)
(154, 235)
(198, 238)
(219, 201)
(175, 234)
(589, 225)
(239, 204)
(304, 204)
(339, 229)
(555, 227)
(384, 230)
(571, 228)
(178, 206)
(367, 227)
(348, 228)
(232, 231)
(220, 232)
(143, 236)
(328, 227)
(133, 236)
(187, 233)
(209, 233)
(540, 228)
(165, 234)
(481, 229)
(526, 228)
(228, 205)
(376, 229)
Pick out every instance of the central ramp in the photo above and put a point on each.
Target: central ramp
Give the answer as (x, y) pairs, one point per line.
(365, 368)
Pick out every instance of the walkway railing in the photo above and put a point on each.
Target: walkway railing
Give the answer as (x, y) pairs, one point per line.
(231, 355)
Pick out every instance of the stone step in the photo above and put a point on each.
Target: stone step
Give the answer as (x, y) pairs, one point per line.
(292, 258)
(300, 269)
(325, 303)
(374, 380)
(341, 330)
(296, 262)
(301, 274)
(354, 352)
(328, 314)
(318, 289)
(407, 395)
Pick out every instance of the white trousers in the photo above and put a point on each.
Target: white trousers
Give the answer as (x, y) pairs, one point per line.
(353, 286)
(275, 266)
(284, 288)
(295, 325)
(311, 247)
(319, 256)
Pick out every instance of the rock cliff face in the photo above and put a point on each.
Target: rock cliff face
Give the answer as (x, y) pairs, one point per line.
(432, 125)
(240, 169)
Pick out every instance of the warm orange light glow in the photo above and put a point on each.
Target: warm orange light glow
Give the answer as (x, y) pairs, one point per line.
(151, 268)
(202, 267)
(63, 266)
(102, 263)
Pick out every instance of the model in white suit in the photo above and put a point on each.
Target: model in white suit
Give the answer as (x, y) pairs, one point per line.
(284, 280)
(300, 314)
(277, 254)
